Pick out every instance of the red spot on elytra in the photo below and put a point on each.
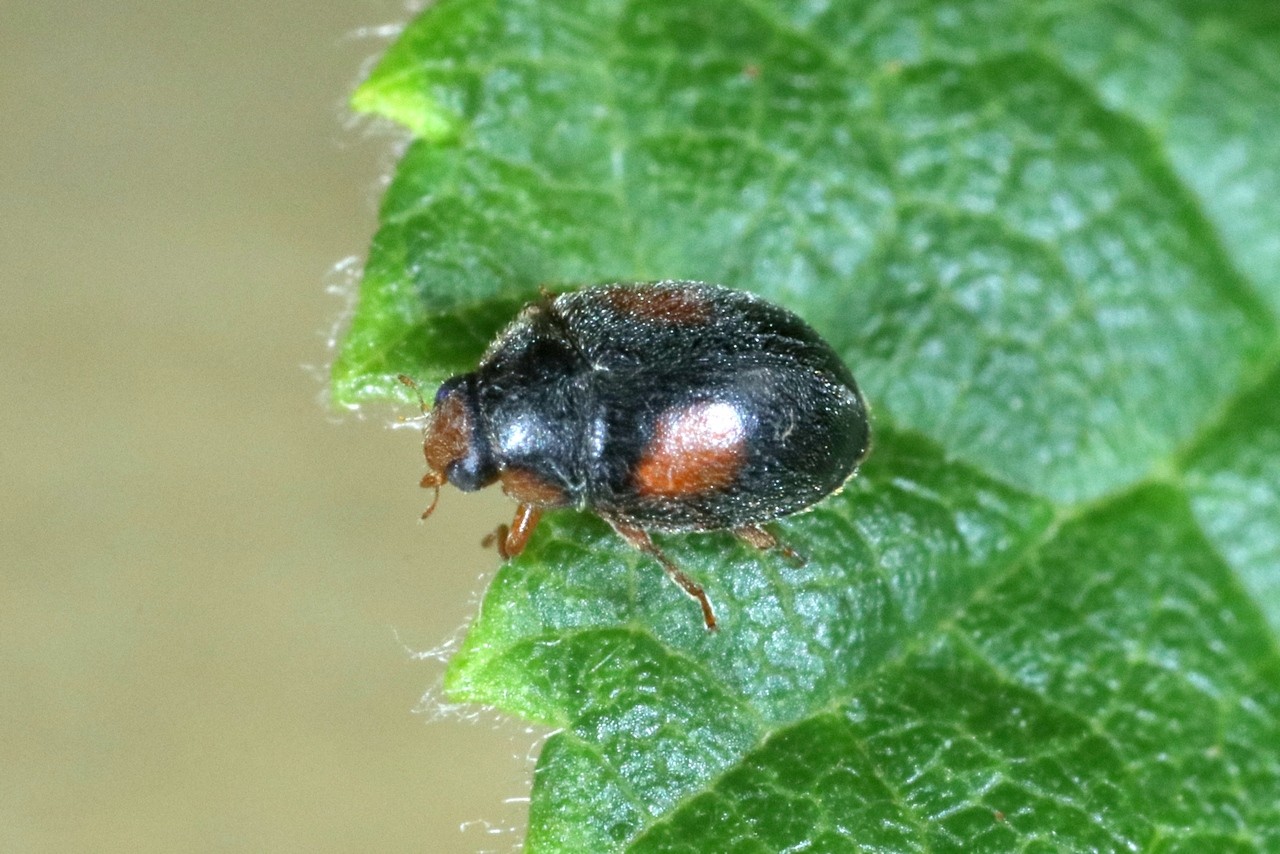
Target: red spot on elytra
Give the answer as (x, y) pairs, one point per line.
(674, 306)
(695, 449)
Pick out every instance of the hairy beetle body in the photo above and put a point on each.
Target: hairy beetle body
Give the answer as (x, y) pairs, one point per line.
(673, 406)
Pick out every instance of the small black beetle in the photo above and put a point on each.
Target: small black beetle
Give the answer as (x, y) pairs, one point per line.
(672, 406)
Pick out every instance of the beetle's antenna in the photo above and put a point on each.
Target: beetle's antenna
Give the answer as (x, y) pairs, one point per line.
(417, 389)
(432, 479)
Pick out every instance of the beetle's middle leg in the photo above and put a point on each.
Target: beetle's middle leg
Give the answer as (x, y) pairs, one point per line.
(639, 538)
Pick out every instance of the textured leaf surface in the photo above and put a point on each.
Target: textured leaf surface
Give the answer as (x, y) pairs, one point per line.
(1047, 239)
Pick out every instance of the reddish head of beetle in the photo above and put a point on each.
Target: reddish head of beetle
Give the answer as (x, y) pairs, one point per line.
(450, 442)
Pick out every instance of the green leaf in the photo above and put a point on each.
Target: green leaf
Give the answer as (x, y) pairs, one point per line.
(1044, 236)
(1233, 478)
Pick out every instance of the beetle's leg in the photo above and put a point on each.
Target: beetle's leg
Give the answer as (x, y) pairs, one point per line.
(511, 541)
(526, 519)
(639, 538)
(498, 536)
(766, 540)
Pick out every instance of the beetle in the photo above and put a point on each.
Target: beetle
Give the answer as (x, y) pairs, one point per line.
(668, 406)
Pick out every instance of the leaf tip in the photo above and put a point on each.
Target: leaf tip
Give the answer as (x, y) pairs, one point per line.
(408, 106)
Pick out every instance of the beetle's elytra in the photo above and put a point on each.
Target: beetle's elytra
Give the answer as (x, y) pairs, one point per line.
(672, 406)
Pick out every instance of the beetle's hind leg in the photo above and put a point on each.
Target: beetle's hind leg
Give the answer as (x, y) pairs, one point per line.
(639, 538)
(766, 541)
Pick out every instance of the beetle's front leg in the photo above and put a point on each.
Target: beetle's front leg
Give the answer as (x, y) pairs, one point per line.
(512, 540)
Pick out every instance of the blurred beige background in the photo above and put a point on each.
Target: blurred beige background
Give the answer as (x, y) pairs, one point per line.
(212, 588)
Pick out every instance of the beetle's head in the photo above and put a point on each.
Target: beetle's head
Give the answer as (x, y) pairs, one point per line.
(456, 450)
